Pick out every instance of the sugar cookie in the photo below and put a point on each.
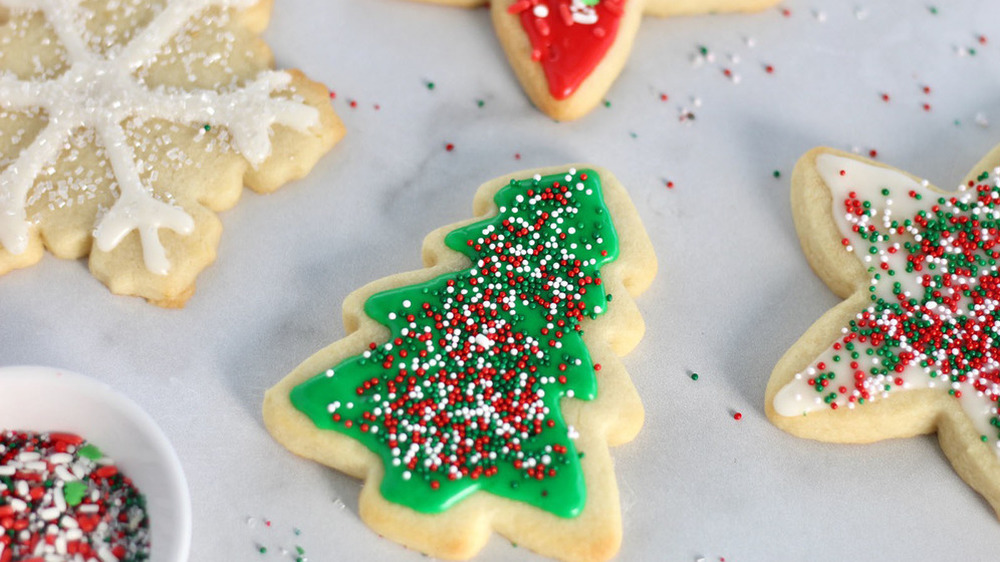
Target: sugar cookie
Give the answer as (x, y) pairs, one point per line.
(482, 392)
(124, 125)
(911, 350)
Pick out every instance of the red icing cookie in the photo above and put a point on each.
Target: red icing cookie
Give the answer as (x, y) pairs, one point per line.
(566, 53)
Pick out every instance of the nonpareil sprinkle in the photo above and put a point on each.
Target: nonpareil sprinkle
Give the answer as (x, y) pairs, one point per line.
(64, 500)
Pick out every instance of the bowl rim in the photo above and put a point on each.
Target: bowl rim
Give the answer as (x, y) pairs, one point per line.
(120, 405)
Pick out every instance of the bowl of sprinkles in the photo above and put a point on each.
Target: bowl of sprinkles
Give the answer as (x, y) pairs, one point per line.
(85, 474)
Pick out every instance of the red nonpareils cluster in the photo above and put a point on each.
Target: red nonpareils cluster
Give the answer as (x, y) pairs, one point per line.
(61, 500)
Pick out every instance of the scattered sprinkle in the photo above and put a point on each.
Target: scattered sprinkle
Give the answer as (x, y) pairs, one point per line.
(737, 416)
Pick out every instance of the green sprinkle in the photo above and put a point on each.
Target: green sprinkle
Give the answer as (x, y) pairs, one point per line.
(91, 452)
(74, 492)
(430, 85)
(694, 376)
(776, 174)
(480, 103)
(933, 9)
(607, 103)
(300, 550)
(207, 128)
(262, 550)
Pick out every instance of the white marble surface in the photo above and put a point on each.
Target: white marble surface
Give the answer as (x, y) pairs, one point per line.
(733, 293)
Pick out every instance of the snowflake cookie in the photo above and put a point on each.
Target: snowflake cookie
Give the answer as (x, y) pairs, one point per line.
(913, 348)
(124, 125)
(482, 393)
(567, 53)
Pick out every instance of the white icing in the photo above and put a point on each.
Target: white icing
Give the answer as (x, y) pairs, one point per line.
(843, 176)
(799, 397)
(100, 92)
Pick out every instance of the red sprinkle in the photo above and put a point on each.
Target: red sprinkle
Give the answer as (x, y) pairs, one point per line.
(737, 416)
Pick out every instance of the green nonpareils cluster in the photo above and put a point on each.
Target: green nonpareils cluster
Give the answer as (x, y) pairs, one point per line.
(466, 393)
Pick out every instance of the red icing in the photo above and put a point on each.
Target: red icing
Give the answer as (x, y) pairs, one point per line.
(567, 50)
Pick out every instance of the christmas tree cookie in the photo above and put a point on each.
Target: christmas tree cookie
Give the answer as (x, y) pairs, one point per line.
(567, 53)
(912, 349)
(482, 392)
(125, 125)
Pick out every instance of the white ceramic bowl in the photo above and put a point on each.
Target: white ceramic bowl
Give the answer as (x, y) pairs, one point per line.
(46, 399)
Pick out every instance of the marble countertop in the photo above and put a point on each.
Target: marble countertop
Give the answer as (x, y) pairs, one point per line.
(707, 166)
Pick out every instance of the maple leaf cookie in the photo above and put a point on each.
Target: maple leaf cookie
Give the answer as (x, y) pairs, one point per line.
(482, 392)
(913, 348)
(567, 53)
(124, 125)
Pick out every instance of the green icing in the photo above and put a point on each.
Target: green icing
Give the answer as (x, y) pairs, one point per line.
(466, 394)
